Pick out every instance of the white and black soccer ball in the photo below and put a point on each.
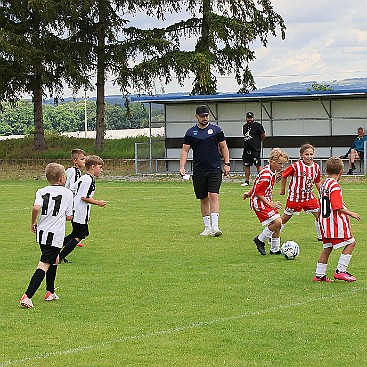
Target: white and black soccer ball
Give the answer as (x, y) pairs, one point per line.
(290, 250)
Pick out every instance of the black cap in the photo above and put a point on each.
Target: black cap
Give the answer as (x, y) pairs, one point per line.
(202, 110)
(250, 114)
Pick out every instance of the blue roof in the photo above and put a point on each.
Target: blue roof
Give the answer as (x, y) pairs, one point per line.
(297, 90)
(182, 98)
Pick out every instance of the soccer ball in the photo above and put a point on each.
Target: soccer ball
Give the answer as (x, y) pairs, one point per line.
(290, 250)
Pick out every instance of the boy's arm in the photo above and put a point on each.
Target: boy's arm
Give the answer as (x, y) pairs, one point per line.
(247, 194)
(100, 203)
(283, 183)
(351, 214)
(273, 205)
(35, 211)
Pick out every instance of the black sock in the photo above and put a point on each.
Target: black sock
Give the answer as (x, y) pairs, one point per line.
(35, 282)
(67, 238)
(50, 278)
(69, 247)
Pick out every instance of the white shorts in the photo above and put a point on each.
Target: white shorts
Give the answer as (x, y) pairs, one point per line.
(343, 242)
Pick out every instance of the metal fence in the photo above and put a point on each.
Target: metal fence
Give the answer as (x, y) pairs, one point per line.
(150, 157)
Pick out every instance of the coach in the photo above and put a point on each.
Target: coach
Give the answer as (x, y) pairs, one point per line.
(253, 134)
(208, 144)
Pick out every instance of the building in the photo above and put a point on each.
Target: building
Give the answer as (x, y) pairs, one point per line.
(327, 119)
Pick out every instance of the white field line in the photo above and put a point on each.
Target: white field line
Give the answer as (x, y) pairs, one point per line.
(179, 328)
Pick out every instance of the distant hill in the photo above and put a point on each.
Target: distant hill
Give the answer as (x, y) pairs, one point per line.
(336, 85)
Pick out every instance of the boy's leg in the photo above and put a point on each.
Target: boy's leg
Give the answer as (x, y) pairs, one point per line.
(35, 282)
(260, 240)
(50, 278)
(275, 227)
(317, 226)
(267, 232)
(344, 259)
(285, 219)
(321, 266)
(343, 263)
(68, 248)
(68, 238)
(37, 279)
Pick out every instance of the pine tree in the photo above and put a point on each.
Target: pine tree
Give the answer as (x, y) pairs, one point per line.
(224, 31)
(36, 55)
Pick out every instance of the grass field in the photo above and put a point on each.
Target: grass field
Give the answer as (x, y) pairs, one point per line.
(146, 290)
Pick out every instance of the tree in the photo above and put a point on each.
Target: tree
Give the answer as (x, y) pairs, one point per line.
(224, 34)
(113, 44)
(319, 87)
(36, 54)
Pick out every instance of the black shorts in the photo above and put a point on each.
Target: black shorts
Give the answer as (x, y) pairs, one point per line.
(205, 182)
(250, 157)
(79, 230)
(360, 154)
(49, 254)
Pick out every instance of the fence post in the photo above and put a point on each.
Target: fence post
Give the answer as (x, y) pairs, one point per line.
(136, 157)
(365, 157)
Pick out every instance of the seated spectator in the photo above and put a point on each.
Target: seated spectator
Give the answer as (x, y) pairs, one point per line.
(356, 151)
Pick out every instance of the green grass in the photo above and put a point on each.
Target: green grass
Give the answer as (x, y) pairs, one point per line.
(59, 147)
(146, 290)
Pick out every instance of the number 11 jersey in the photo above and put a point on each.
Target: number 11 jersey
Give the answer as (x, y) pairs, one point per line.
(56, 203)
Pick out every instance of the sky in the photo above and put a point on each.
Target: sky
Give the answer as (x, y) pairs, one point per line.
(326, 40)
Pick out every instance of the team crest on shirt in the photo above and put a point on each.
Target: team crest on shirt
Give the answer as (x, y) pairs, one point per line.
(210, 131)
(195, 132)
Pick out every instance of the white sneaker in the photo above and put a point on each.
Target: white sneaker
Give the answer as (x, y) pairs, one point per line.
(216, 232)
(207, 232)
(51, 296)
(26, 302)
(246, 183)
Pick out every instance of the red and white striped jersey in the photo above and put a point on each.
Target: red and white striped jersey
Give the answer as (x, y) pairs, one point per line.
(302, 180)
(263, 185)
(332, 223)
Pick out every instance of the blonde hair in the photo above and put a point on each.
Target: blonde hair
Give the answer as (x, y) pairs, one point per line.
(53, 172)
(306, 146)
(334, 165)
(276, 153)
(76, 152)
(91, 160)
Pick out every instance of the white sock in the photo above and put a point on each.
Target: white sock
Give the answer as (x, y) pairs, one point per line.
(215, 219)
(206, 220)
(265, 234)
(318, 231)
(321, 269)
(281, 228)
(343, 263)
(275, 244)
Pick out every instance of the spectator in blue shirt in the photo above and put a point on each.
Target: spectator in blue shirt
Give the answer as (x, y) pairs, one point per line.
(356, 151)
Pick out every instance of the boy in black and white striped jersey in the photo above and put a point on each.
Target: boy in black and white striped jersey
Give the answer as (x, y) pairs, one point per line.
(53, 205)
(83, 200)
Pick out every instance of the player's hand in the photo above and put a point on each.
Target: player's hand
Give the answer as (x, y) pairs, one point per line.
(182, 171)
(226, 170)
(278, 176)
(34, 227)
(277, 205)
(281, 192)
(102, 203)
(246, 195)
(355, 216)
